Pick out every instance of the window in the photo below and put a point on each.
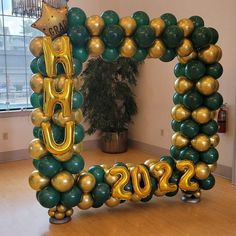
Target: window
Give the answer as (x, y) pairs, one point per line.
(15, 57)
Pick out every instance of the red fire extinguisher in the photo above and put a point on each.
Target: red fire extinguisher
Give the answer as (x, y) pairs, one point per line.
(221, 119)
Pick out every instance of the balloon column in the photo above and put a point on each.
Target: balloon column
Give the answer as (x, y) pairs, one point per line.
(59, 179)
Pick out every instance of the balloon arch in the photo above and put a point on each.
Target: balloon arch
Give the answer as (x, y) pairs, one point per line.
(59, 178)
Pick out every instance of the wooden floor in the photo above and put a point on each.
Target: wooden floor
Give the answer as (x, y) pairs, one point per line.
(21, 214)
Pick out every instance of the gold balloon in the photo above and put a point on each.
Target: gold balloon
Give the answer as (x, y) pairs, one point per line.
(52, 97)
(207, 85)
(105, 167)
(78, 148)
(53, 21)
(64, 157)
(157, 50)
(185, 182)
(36, 83)
(212, 167)
(59, 83)
(156, 173)
(110, 179)
(211, 54)
(213, 114)
(37, 117)
(69, 212)
(202, 170)
(51, 145)
(201, 143)
(201, 115)
(61, 208)
(86, 202)
(183, 84)
(59, 215)
(77, 116)
(36, 149)
(215, 139)
(150, 162)
(118, 190)
(187, 26)
(77, 82)
(197, 194)
(36, 46)
(128, 48)
(63, 181)
(128, 24)
(158, 25)
(62, 55)
(51, 213)
(112, 202)
(95, 46)
(37, 181)
(179, 140)
(185, 49)
(60, 120)
(180, 113)
(95, 25)
(86, 182)
(141, 192)
(188, 58)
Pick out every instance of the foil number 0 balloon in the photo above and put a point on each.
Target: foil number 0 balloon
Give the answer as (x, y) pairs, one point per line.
(59, 178)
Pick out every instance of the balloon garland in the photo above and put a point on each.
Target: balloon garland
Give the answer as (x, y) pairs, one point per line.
(59, 179)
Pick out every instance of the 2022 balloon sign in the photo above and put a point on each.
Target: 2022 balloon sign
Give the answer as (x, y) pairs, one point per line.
(59, 178)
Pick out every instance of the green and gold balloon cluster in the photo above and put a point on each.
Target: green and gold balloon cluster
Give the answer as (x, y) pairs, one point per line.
(60, 181)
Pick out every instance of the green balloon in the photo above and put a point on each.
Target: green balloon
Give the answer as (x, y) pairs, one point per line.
(175, 152)
(197, 21)
(113, 35)
(110, 18)
(214, 35)
(215, 70)
(79, 133)
(192, 100)
(36, 100)
(97, 204)
(144, 36)
(77, 66)
(148, 198)
(98, 172)
(60, 69)
(129, 187)
(189, 128)
(120, 164)
(35, 163)
(101, 192)
(210, 128)
(49, 166)
(79, 36)
(210, 156)
(195, 69)
(172, 194)
(34, 65)
(207, 183)
(154, 188)
(48, 197)
(76, 17)
(169, 160)
(42, 66)
(110, 54)
(75, 165)
(172, 36)
(80, 54)
(214, 101)
(178, 98)
(36, 131)
(169, 19)
(168, 56)
(78, 100)
(189, 153)
(179, 70)
(176, 125)
(141, 18)
(72, 197)
(58, 133)
(140, 55)
(201, 37)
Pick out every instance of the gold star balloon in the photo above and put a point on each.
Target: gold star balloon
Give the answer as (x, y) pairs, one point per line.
(53, 21)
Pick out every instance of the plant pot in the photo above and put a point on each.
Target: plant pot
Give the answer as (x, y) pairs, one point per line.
(114, 142)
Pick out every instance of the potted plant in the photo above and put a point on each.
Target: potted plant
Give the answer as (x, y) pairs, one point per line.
(109, 100)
